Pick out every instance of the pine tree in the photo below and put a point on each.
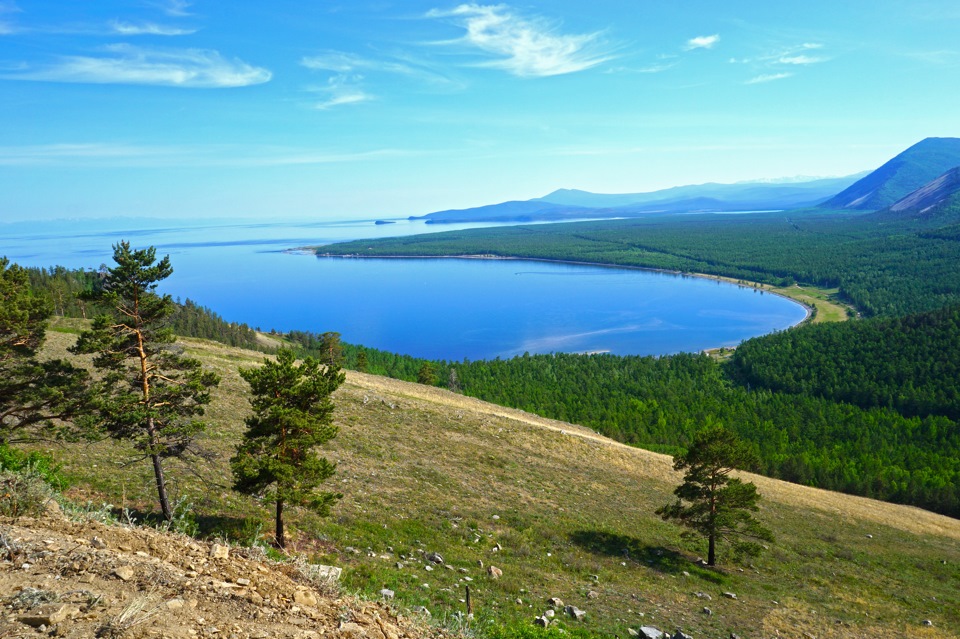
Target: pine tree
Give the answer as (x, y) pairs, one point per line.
(149, 393)
(426, 375)
(37, 398)
(293, 415)
(710, 502)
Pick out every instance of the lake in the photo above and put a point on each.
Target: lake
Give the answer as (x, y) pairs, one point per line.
(434, 308)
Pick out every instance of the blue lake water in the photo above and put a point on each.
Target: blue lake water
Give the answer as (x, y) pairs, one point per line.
(434, 308)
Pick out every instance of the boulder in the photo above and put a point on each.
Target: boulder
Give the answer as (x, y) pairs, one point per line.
(435, 558)
(649, 632)
(494, 572)
(543, 622)
(555, 602)
(575, 613)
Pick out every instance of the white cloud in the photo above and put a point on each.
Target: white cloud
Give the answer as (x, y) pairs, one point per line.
(800, 59)
(147, 28)
(525, 47)
(768, 77)
(702, 42)
(342, 90)
(125, 64)
(342, 62)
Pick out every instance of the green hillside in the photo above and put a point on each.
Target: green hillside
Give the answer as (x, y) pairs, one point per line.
(905, 173)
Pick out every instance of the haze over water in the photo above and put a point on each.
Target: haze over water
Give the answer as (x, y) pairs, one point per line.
(434, 308)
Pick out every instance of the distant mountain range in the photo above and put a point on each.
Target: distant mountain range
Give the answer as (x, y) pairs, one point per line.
(920, 164)
(917, 179)
(572, 203)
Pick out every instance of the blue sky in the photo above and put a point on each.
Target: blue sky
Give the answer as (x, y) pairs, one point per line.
(330, 110)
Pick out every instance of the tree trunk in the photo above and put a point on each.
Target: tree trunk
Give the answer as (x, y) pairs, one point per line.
(161, 487)
(281, 542)
(712, 550)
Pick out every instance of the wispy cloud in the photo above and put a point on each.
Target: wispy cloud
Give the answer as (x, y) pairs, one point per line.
(800, 59)
(7, 27)
(767, 77)
(126, 64)
(702, 42)
(524, 46)
(149, 156)
(342, 90)
(147, 28)
(175, 8)
(342, 62)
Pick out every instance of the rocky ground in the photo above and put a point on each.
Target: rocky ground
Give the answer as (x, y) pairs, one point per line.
(65, 578)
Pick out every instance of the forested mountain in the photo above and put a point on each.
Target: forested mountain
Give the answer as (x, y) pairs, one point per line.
(899, 177)
(911, 364)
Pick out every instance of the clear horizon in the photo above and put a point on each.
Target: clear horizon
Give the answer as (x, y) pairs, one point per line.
(176, 109)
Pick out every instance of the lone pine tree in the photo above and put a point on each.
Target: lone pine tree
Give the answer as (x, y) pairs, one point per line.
(149, 393)
(710, 502)
(277, 459)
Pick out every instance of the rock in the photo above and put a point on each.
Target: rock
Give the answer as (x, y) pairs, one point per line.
(98, 543)
(174, 604)
(327, 573)
(649, 632)
(681, 635)
(519, 601)
(730, 595)
(869, 536)
(386, 593)
(707, 611)
(593, 594)
(632, 632)
(399, 565)
(927, 623)
(702, 595)
(496, 517)
(352, 631)
(480, 562)
(595, 578)
(494, 572)
(219, 552)
(305, 598)
(124, 573)
(555, 602)
(543, 622)
(52, 509)
(575, 613)
(428, 568)
(435, 557)
(48, 615)
(734, 635)
(421, 610)
(496, 548)
(243, 581)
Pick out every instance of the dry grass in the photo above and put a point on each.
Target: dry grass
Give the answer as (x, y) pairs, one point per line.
(422, 469)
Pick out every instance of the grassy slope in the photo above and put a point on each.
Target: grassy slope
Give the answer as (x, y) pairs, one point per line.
(425, 470)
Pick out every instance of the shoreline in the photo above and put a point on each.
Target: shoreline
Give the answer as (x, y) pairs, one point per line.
(809, 308)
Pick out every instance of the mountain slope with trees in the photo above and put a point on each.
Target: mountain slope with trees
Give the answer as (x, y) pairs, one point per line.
(906, 172)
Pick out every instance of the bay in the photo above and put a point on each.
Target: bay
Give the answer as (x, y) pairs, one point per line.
(433, 308)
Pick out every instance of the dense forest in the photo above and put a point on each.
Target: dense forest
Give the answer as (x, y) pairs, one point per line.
(885, 265)
(911, 364)
(71, 289)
